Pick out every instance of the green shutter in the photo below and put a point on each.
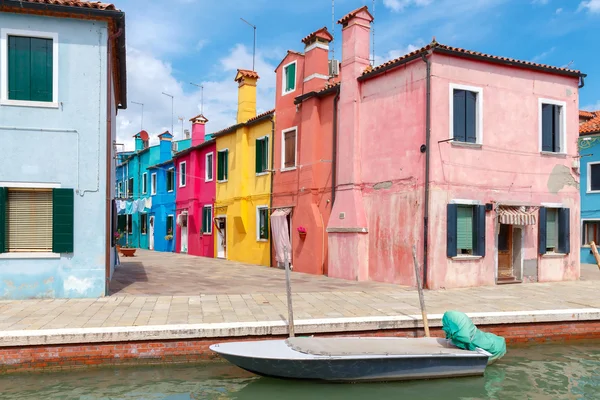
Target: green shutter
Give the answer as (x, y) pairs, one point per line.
(41, 69)
(265, 154)
(464, 227)
(19, 68)
(551, 229)
(220, 166)
(290, 77)
(266, 218)
(62, 220)
(225, 164)
(258, 161)
(3, 218)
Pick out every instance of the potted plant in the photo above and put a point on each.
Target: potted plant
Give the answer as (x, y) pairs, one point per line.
(169, 239)
(128, 250)
(118, 236)
(302, 231)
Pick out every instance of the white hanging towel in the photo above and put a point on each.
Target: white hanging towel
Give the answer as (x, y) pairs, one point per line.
(148, 203)
(134, 208)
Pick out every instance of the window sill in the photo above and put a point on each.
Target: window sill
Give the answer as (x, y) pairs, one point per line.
(182, 186)
(553, 154)
(592, 192)
(206, 233)
(288, 169)
(208, 180)
(32, 255)
(554, 255)
(25, 103)
(262, 240)
(466, 144)
(466, 258)
(262, 174)
(288, 92)
(225, 181)
(168, 191)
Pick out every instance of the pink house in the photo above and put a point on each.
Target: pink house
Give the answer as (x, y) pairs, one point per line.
(467, 156)
(195, 193)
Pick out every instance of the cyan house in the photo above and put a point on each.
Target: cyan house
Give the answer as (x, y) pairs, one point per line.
(62, 80)
(589, 187)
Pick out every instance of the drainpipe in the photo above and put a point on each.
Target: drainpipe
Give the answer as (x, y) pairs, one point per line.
(272, 175)
(334, 147)
(427, 156)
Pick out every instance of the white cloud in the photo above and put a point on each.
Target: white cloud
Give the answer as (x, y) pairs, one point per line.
(543, 2)
(559, 10)
(543, 55)
(592, 107)
(400, 5)
(593, 6)
(395, 53)
(149, 75)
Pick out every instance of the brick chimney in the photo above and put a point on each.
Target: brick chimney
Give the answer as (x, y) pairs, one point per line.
(165, 143)
(198, 129)
(246, 80)
(316, 59)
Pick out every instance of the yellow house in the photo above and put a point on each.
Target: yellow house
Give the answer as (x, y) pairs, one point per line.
(243, 195)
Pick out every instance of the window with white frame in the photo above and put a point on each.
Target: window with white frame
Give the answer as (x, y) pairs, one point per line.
(554, 230)
(182, 174)
(593, 177)
(120, 190)
(289, 140)
(222, 165)
(591, 231)
(143, 223)
(262, 223)
(144, 183)
(208, 167)
(207, 219)
(261, 162)
(553, 126)
(466, 114)
(289, 78)
(153, 183)
(29, 67)
(130, 188)
(129, 224)
(170, 179)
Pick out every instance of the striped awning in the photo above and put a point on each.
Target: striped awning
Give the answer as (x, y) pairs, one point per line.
(516, 215)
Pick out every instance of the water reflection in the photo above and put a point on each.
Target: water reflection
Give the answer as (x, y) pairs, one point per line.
(537, 372)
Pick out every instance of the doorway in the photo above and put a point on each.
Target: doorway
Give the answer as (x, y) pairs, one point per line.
(510, 245)
(221, 226)
(151, 233)
(183, 247)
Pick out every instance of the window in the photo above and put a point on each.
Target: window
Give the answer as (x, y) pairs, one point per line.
(143, 223)
(170, 179)
(145, 183)
(126, 189)
(222, 165)
(170, 225)
(466, 113)
(208, 167)
(120, 190)
(129, 224)
(29, 68)
(552, 126)
(153, 183)
(288, 157)
(590, 232)
(289, 78)
(130, 188)
(36, 220)
(207, 220)
(554, 230)
(465, 230)
(262, 223)
(182, 177)
(262, 155)
(593, 177)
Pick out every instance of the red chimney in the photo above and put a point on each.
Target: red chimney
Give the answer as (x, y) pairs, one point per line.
(198, 129)
(316, 59)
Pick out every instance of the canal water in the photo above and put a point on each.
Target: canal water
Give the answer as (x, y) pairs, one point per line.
(570, 371)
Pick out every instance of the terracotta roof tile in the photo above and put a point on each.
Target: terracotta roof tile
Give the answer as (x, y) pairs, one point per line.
(200, 117)
(591, 126)
(322, 33)
(435, 46)
(261, 115)
(586, 114)
(232, 128)
(351, 14)
(246, 73)
(76, 3)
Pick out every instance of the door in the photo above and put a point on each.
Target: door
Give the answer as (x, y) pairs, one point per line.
(184, 234)
(221, 225)
(151, 233)
(505, 252)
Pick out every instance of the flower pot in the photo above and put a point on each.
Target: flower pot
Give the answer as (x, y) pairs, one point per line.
(302, 234)
(127, 252)
(118, 247)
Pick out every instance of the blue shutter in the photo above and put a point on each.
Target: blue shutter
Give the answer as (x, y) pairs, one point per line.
(459, 116)
(542, 231)
(547, 118)
(451, 230)
(479, 234)
(556, 128)
(564, 231)
(471, 116)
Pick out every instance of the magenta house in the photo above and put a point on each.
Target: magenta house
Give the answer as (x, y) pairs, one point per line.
(467, 156)
(195, 197)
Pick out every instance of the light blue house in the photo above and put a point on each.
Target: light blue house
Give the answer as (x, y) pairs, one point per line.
(62, 80)
(589, 186)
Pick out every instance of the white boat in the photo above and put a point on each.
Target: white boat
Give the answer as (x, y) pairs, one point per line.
(354, 359)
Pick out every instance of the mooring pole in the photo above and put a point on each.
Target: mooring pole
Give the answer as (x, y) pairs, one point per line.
(420, 289)
(289, 292)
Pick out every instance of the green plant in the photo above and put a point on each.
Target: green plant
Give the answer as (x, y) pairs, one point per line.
(169, 237)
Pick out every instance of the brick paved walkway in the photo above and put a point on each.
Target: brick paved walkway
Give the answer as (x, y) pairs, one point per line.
(218, 291)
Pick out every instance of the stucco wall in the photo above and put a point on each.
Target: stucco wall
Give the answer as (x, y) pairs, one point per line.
(71, 154)
(589, 151)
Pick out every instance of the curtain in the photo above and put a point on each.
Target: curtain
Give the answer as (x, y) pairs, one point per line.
(281, 234)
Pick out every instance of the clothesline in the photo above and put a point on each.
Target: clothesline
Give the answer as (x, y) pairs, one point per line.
(127, 207)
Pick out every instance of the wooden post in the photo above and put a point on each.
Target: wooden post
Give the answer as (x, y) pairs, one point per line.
(289, 293)
(420, 290)
(595, 253)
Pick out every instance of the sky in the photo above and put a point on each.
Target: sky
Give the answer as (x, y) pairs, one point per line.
(172, 43)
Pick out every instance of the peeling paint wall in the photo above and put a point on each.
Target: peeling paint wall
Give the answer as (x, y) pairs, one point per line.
(73, 160)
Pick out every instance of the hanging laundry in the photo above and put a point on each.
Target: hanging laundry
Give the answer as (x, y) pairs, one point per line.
(148, 203)
(129, 207)
(135, 208)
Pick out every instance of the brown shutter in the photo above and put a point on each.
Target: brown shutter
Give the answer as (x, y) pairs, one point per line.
(290, 149)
